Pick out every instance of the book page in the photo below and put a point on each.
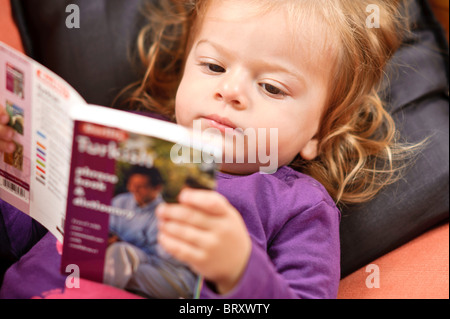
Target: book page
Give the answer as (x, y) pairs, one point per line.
(16, 99)
(35, 177)
(117, 179)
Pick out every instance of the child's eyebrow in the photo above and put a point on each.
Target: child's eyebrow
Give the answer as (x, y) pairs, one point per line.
(216, 46)
(263, 64)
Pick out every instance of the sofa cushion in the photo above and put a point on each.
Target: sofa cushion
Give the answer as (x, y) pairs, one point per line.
(94, 60)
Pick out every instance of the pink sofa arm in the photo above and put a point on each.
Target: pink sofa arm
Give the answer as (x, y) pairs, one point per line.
(417, 270)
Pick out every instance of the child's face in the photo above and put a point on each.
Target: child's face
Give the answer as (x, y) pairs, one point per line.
(249, 71)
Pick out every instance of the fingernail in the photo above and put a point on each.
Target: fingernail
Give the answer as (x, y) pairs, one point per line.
(4, 119)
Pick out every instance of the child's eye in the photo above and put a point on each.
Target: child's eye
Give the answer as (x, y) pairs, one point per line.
(214, 68)
(273, 90)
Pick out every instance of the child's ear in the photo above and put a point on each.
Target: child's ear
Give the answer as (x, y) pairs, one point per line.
(310, 150)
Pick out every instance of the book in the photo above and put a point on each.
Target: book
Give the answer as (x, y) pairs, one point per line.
(74, 163)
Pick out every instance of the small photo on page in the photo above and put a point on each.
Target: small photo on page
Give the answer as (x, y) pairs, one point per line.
(15, 159)
(16, 117)
(134, 260)
(14, 80)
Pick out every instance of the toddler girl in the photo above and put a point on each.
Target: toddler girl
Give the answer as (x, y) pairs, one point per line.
(308, 69)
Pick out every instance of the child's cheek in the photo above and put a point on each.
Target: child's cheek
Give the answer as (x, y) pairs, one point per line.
(182, 117)
(182, 110)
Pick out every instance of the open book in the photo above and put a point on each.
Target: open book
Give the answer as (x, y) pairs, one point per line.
(73, 163)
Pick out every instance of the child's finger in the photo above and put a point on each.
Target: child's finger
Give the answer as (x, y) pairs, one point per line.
(6, 136)
(6, 133)
(180, 249)
(7, 147)
(4, 117)
(184, 232)
(206, 200)
(184, 214)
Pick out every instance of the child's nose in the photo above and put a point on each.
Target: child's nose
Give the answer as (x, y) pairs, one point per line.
(233, 90)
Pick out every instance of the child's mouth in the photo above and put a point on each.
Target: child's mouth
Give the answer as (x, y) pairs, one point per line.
(219, 123)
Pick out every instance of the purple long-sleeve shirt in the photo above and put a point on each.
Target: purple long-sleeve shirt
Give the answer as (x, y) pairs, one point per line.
(295, 243)
(294, 226)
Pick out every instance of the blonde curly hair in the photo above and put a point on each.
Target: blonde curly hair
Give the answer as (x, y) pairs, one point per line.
(359, 151)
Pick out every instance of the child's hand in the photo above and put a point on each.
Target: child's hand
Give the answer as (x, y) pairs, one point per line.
(6, 133)
(206, 232)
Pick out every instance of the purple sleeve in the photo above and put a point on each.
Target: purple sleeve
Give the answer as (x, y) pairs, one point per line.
(18, 232)
(303, 261)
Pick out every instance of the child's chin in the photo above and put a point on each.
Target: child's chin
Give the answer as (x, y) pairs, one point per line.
(246, 168)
